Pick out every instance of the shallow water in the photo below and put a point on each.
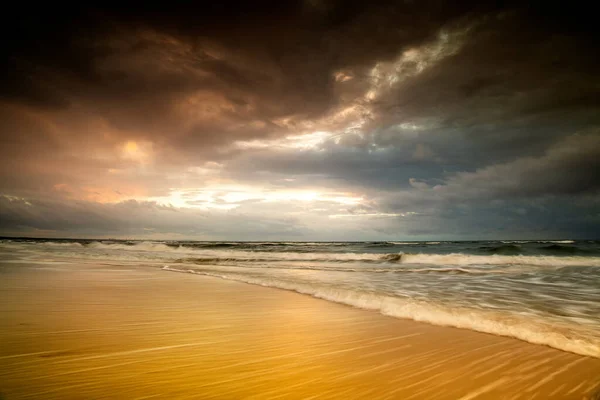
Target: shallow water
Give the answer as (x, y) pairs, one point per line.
(545, 292)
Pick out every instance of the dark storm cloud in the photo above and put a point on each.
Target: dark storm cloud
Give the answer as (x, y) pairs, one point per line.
(433, 108)
(264, 61)
(509, 91)
(190, 77)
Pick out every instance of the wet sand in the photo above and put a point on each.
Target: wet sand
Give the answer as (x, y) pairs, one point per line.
(104, 332)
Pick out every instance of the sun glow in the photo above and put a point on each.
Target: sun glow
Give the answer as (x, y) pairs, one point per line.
(227, 197)
(139, 152)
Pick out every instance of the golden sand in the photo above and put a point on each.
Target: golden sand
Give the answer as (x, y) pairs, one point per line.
(133, 333)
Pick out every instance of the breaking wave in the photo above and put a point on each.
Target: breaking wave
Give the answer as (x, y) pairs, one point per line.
(470, 259)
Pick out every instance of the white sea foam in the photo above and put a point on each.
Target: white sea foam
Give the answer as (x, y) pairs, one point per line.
(139, 246)
(521, 327)
(62, 244)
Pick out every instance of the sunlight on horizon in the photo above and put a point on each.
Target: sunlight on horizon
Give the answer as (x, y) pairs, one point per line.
(227, 197)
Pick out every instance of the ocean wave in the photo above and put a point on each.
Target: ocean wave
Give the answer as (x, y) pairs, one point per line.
(524, 328)
(539, 248)
(562, 249)
(568, 241)
(172, 250)
(453, 259)
(495, 259)
(511, 249)
(140, 246)
(253, 264)
(64, 244)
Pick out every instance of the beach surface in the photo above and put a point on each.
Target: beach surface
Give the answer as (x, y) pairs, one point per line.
(130, 332)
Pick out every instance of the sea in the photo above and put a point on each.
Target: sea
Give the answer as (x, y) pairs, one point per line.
(545, 292)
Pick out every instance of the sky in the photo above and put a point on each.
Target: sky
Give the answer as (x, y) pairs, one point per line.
(301, 120)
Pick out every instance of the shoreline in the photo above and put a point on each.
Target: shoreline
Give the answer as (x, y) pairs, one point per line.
(135, 332)
(484, 322)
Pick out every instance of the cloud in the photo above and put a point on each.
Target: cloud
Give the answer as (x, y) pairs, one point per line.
(418, 184)
(567, 168)
(131, 219)
(439, 118)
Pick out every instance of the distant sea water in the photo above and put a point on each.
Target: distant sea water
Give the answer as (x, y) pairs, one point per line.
(541, 291)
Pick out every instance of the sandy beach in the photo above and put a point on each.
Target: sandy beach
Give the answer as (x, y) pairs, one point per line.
(134, 333)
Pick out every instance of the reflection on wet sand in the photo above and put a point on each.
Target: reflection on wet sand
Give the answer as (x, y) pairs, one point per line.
(132, 333)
